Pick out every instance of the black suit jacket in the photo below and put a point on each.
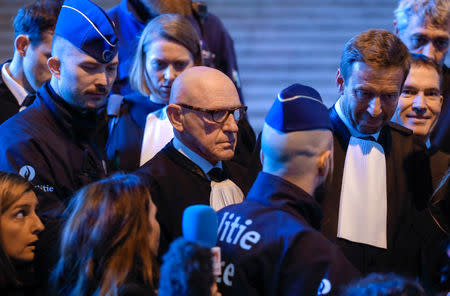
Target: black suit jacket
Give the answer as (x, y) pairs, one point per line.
(176, 183)
(398, 146)
(8, 103)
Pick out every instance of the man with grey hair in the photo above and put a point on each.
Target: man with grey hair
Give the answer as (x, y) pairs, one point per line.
(424, 27)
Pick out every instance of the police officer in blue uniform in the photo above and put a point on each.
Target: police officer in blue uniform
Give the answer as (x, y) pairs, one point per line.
(52, 143)
(270, 242)
(56, 143)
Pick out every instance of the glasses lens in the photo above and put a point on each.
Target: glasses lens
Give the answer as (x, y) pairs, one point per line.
(237, 114)
(220, 115)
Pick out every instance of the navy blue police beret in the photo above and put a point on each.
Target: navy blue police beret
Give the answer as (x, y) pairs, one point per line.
(86, 26)
(298, 108)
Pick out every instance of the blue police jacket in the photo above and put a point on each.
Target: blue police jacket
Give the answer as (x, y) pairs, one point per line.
(271, 245)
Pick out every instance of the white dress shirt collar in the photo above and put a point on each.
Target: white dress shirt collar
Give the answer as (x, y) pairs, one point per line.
(16, 89)
(353, 131)
(205, 165)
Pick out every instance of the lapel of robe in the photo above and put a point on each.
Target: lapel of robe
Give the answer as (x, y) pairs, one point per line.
(331, 198)
(394, 202)
(395, 182)
(182, 160)
(235, 172)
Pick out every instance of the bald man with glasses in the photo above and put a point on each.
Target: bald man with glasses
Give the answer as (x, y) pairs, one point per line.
(195, 167)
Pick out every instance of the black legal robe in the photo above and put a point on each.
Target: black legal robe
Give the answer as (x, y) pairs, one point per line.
(401, 255)
(176, 183)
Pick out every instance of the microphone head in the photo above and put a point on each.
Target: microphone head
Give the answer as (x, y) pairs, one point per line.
(200, 225)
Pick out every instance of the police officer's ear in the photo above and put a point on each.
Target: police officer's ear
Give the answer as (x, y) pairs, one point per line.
(175, 115)
(325, 163)
(54, 65)
(340, 82)
(21, 44)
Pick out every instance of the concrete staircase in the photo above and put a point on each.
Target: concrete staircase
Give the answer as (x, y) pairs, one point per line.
(286, 41)
(278, 42)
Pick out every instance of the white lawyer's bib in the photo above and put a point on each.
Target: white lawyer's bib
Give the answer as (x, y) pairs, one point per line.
(157, 133)
(224, 193)
(363, 204)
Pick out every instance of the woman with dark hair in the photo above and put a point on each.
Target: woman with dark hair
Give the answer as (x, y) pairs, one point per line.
(19, 229)
(109, 241)
(168, 45)
(187, 270)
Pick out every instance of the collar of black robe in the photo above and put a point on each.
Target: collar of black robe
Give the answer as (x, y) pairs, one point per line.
(276, 192)
(76, 122)
(6, 94)
(339, 128)
(185, 162)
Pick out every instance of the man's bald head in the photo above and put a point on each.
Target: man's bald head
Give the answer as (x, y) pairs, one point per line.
(295, 152)
(305, 158)
(197, 96)
(204, 87)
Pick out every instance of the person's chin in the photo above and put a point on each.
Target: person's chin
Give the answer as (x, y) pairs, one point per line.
(165, 92)
(370, 128)
(95, 104)
(226, 154)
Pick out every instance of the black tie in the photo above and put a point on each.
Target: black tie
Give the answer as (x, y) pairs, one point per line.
(217, 174)
(28, 100)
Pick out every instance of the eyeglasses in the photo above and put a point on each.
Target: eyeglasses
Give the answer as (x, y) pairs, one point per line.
(220, 115)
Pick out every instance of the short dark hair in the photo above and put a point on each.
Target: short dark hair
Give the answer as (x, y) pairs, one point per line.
(420, 60)
(391, 284)
(186, 270)
(36, 18)
(376, 48)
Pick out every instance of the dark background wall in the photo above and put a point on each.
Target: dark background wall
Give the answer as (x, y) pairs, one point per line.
(278, 42)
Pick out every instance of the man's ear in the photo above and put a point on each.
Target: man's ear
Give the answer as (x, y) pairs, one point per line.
(175, 115)
(324, 163)
(21, 44)
(340, 82)
(54, 65)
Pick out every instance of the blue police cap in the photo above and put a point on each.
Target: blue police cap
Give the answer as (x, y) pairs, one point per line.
(298, 108)
(86, 26)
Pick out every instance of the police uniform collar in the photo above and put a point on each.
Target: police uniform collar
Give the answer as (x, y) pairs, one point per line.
(274, 191)
(75, 121)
